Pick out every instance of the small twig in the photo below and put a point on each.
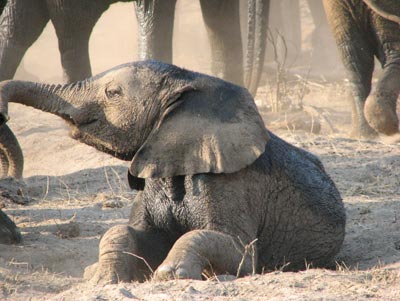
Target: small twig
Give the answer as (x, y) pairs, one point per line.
(249, 248)
(108, 181)
(315, 111)
(141, 258)
(47, 188)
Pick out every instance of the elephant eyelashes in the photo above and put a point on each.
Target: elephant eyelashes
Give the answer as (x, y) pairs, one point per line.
(113, 92)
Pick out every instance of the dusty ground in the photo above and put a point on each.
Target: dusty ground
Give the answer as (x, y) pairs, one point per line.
(75, 194)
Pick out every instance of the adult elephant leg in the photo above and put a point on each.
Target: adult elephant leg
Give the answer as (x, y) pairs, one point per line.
(357, 57)
(156, 24)
(380, 109)
(222, 21)
(74, 21)
(21, 23)
(208, 250)
(127, 254)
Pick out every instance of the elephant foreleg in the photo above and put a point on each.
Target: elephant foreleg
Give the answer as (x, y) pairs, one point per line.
(127, 254)
(21, 23)
(358, 59)
(212, 251)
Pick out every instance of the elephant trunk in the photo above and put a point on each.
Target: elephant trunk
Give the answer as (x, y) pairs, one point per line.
(258, 11)
(56, 99)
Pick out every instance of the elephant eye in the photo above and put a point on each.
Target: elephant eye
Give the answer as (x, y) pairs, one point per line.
(113, 92)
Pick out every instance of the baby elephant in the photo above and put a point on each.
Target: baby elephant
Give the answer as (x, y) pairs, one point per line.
(218, 193)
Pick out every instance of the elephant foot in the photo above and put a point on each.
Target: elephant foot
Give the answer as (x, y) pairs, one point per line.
(102, 274)
(201, 251)
(364, 132)
(381, 115)
(116, 261)
(171, 269)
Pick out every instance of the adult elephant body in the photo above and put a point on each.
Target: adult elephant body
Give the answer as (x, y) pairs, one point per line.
(212, 179)
(364, 30)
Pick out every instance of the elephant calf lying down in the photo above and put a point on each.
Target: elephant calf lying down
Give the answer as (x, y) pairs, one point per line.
(211, 178)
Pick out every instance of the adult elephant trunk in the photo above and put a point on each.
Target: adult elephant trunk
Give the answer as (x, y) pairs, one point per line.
(257, 20)
(383, 9)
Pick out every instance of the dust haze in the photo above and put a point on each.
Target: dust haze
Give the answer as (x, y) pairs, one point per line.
(114, 41)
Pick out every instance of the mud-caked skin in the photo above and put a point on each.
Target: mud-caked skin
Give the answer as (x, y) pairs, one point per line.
(217, 192)
(362, 31)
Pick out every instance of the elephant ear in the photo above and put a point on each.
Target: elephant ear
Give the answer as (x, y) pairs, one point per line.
(211, 128)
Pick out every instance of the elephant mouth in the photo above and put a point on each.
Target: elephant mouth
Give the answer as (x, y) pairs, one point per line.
(80, 131)
(76, 125)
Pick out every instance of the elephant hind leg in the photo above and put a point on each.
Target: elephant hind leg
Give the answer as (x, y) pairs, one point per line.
(207, 250)
(359, 65)
(21, 23)
(73, 22)
(350, 30)
(380, 108)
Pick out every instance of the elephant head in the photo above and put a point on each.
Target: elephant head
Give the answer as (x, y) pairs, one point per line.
(166, 120)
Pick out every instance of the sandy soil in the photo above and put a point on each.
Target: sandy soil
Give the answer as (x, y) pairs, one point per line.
(74, 194)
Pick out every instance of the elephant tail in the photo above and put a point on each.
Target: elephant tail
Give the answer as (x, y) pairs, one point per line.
(377, 7)
(258, 11)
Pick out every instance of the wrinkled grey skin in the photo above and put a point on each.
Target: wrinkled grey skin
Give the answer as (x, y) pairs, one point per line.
(222, 21)
(212, 179)
(362, 31)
